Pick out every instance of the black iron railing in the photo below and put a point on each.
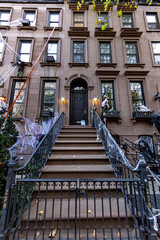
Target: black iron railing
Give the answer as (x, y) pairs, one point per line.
(129, 163)
(32, 169)
(142, 115)
(78, 209)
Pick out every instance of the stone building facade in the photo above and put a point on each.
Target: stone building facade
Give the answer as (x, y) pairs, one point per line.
(81, 62)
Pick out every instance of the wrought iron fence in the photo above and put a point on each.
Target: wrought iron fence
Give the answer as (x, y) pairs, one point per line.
(77, 209)
(31, 169)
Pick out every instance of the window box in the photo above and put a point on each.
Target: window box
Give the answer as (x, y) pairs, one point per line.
(142, 115)
(111, 114)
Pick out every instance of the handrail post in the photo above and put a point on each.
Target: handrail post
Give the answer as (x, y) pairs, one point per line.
(149, 232)
(12, 165)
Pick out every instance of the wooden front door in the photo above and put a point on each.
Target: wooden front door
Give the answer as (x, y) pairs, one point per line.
(79, 105)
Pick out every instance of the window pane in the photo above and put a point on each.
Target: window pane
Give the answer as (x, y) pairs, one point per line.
(157, 59)
(152, 20)
(131, 59)
(4, 17)
(50, 85)
(49, 96)
(156, 47)
(78, 20)
(108, 94)
(78, 59)
(54, 19)
(52, 48)
(131, 48)
(127, 20)
(105, 59)
(17, 110)
(137, 95)
(1, 49)
(25, 57)
(78, 47)
(103, 18)
(25, 47)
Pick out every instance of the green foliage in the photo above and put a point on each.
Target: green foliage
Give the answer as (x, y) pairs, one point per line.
(8, 136)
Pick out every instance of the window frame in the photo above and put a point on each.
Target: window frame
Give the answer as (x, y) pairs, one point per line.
(110, 54)
(76, 13)
(3, 51)
(57, 53)
(114, 96)
(84, 51)
(142, 90)
(153, 54)
(102, 23)
(12, 96)
(49, 14)
(132, 21)
(20, 40)
(137, 52)
(30, 10)
(9, 18)
(43, 92)
(157, 21)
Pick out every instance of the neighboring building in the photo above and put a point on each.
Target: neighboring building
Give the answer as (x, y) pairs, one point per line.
(81, 62)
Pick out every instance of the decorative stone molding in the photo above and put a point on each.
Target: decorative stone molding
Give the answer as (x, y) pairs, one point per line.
(78, 31)
(57, 64)
(130, 32)
(99, 65)
(136, 73)
(33, 28)
(107, 72)
(141, 65)
(108, 32)
(78, 64)
(47, 28)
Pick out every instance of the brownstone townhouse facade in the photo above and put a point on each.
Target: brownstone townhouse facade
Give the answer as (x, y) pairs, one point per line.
(82, 65)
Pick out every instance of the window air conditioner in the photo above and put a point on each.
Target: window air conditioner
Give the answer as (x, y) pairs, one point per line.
(25, 22)
(50, 59)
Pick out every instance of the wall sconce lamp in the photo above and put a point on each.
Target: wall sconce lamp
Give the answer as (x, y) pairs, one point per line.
(2, 98)
(63, 100)
(95, 100)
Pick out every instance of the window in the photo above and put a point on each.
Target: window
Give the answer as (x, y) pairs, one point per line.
(137, 95)
(152, 20)
(54, 19)
(78, 19)
(52, 50)
(105, 52)
(108, 99)
(132, 52)
(156, 52)
(78, 52)
(4, 17)
(127, 20)
(1, 50)
(31, 16)
(25, 50)
(18, 107)
(48, 96)
(102, 19)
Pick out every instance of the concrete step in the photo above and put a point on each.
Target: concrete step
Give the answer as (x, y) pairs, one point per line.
(77, 132)
(78, 171)
(78, 159)
(79, 143)
(78, 150)
(77, 137)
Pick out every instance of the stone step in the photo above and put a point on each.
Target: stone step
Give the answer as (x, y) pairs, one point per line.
(77, 137)
(70, 143)
(77, 171)
(78, 159)
(78, 150)
(77, 132)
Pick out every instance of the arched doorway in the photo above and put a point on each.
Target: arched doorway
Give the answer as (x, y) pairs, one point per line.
(78, 102)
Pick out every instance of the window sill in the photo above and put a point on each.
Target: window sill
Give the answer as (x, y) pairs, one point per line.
(153, 30)
(106, 65)
(46, 28)
(44, 64)
(33, 28)
(78, 31)
(141, 65)
(130, 32)
(18, 119)
(78, 64)
(108, 32)
(156, 65)
(4, 27)
(29, 64)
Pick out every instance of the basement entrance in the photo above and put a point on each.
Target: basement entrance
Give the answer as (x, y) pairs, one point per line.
(79, 102)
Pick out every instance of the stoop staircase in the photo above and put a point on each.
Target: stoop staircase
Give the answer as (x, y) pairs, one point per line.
(77, 196)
